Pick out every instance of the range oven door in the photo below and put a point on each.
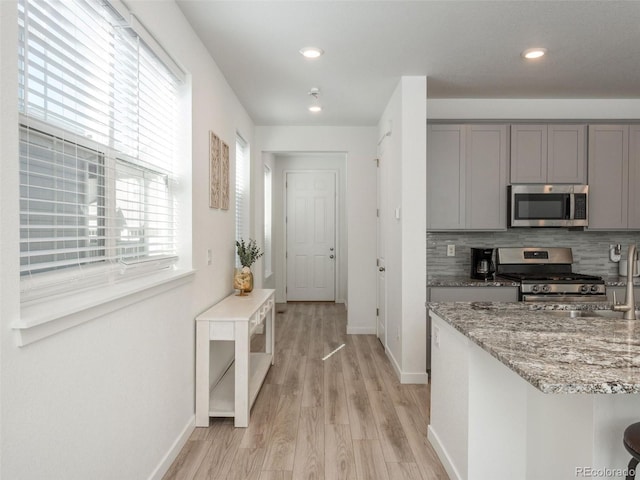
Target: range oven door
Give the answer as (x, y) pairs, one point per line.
(548, 205)
(563, 298)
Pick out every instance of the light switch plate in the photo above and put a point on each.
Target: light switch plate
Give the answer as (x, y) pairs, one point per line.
(451, 250)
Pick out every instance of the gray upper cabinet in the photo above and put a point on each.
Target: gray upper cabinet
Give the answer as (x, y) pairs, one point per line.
(614, 177)
(467, 176)
(634, 177)
(446, 177)
(528, 154)
(554, 153)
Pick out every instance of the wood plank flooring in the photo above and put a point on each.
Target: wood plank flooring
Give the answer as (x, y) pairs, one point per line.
(346, 417)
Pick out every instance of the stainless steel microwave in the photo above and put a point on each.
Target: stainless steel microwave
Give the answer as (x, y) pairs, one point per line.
(548, 205)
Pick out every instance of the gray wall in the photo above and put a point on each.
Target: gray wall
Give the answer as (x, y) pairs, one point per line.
(590, 249)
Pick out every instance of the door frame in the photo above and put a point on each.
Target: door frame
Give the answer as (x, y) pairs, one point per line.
(379, 248)
(336, 219)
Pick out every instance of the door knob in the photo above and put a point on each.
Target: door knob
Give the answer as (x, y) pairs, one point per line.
(382, 269)
(330, 256)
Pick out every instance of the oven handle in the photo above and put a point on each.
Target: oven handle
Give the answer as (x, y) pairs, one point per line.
(572, 206)
(564, 298)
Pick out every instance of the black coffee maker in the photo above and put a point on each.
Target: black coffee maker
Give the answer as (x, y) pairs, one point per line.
(482, 266)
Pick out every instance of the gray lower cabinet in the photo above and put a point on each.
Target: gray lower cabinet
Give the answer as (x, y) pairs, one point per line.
(467, 294)
(614, 177)
(621, 293)
(473, 294)
(467, 176)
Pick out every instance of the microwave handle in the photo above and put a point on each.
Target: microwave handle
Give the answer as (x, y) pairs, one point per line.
(572, 206)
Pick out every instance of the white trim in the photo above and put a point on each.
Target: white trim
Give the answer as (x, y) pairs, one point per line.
(41, 319)
(394, 363)
(420, 378)
(435, 442)
(360, 330)
(416, 378)
(164, 465)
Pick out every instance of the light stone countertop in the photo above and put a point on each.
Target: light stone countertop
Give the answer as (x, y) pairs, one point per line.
(555, 354)
(465, 281)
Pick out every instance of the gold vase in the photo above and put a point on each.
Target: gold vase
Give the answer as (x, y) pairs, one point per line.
(243, 280)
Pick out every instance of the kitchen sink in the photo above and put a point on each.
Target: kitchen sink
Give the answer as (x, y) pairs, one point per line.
(587, 313)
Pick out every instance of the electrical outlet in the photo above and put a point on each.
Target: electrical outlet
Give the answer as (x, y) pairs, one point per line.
(436, 336)
(451, 250)
(209, 256)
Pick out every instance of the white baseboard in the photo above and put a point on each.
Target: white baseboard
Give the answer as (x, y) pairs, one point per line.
(361, 330)
(434, 440)
(173, 452)
(394, 363)
(421, 378)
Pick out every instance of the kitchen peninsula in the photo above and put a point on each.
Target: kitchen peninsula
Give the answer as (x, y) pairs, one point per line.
(528, 392)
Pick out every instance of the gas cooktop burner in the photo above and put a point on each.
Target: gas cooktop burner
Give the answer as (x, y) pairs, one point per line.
(545, 278)
(545, 274)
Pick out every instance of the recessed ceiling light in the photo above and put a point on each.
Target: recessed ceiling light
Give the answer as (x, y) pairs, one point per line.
(311, 52)
(533, 53)
(315, 108)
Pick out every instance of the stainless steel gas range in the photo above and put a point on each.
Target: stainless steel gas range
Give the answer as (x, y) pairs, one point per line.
(545, 275)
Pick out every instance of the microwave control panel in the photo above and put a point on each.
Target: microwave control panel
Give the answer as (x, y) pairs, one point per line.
(580, 206)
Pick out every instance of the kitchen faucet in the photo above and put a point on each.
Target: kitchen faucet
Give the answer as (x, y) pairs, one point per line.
(629, 305)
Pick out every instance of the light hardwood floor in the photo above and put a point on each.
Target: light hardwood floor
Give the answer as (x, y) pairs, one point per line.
(346, 417)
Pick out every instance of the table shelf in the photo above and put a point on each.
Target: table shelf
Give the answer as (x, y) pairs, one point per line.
(222, 396)
(234, 318)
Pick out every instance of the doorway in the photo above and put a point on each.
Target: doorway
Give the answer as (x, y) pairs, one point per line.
(310, 222)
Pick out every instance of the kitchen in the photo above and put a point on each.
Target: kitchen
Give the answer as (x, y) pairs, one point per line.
(492, 422)
(92, 375)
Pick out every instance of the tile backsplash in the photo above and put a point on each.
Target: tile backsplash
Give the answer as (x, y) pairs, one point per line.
(590, 249)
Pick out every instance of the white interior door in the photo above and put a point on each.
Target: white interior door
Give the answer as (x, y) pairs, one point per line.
(311, 231)
(381, 301)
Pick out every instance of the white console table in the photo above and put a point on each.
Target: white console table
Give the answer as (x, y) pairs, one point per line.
(235, 318)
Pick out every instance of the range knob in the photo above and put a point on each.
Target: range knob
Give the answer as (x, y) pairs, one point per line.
(584, 288)
(535, 288)
(594, 288)
(546, 289)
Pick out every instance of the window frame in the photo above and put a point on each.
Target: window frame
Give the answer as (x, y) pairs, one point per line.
(42, 317)
(268, 221)
(242, 191)
(44, 281)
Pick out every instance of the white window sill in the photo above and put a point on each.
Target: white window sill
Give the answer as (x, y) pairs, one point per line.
(43, 318)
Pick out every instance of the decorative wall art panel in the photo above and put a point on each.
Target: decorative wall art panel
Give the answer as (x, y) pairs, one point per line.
(214, 170)
(224, 178)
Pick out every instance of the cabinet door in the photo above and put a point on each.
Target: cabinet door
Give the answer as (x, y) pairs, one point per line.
(487, 177)
(608, 176)
(445, 177)
(473, 294)
(528, 153)
(567, 161)
(634, 177)
(621, 293)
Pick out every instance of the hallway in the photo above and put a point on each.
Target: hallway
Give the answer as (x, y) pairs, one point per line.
(346, 417)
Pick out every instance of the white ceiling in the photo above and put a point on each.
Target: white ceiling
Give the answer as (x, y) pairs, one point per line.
(467, 49)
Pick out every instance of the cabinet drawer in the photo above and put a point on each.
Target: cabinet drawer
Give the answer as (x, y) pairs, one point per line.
(473, 294)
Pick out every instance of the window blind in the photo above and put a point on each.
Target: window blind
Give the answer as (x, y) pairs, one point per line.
(267, 221)
(98, 116)
(242, 190)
